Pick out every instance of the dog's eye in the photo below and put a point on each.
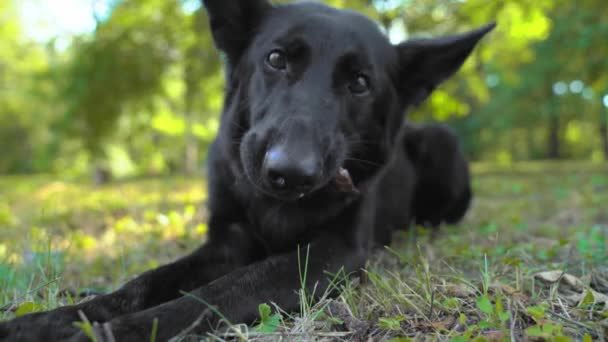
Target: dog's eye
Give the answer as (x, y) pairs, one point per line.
(276, 59)
(359, 85)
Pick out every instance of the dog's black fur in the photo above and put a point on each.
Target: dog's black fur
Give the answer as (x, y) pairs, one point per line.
(443, 188)
(310, 165)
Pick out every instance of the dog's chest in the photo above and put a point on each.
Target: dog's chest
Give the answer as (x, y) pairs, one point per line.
(280, 227)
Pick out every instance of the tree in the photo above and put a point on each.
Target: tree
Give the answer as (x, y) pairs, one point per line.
(25, 109)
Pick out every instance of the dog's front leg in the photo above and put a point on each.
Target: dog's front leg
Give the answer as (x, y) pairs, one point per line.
(236, 296)
(222, 254)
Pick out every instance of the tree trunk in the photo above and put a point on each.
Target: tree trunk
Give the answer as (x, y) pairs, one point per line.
(191, 145)
(101, 175)
(532, 152)
(553, 147)
(192, 78)
(604, 134)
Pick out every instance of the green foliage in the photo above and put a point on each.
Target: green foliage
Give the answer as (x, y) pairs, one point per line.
(154, 334)
(24, 111)
(87, 328)
(537, 312)
(142, 93)
(391, 323)
(27, 307)
(547, 331)
(269, 323)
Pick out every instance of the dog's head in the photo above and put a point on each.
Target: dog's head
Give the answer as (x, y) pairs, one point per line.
(314, 91)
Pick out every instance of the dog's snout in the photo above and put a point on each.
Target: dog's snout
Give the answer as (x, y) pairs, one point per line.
(286, 172)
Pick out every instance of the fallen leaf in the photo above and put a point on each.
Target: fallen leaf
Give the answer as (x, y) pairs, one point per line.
(564, 278)
(599, 282)
(494, 335)
(446, 324)
(508, 290)
(460, 291)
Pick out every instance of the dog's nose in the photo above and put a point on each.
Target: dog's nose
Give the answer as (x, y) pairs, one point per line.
(293, 173)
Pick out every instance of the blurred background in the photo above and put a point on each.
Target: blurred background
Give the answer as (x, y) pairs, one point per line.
(131, 91)
(127, 88)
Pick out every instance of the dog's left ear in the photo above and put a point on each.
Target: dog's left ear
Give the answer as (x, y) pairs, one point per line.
(425, 63)
(234, 22)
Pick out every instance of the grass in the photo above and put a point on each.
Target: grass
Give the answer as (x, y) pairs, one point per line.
(529, 262)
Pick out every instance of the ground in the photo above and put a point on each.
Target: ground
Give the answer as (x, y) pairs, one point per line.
(530, 261)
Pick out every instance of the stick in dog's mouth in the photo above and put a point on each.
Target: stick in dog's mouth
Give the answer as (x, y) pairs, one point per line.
(344, 182)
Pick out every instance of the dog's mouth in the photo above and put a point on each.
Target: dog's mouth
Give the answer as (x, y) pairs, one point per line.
(341, 182)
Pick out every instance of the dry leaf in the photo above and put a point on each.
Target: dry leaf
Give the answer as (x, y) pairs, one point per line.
(564, 278)
(460, 291)
(494, 335)
(599, 281)
(446, 324)
(508, 290)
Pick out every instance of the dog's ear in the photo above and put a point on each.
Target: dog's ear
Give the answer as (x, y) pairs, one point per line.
(425, 63)
(233, 23)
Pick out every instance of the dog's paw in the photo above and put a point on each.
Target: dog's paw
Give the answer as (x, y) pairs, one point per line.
(21, 329)
(4, 331)
(45, 326)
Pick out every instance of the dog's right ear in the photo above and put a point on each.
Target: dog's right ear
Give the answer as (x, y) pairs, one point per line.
(425, 63)
(233, 23)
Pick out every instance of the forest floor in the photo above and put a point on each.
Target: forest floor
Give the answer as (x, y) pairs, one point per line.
(529, 262)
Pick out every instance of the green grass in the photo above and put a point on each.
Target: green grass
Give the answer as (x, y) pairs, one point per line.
(530, 260)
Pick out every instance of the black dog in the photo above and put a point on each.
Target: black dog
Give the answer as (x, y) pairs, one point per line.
(438, 173)
(304, 170)
(443, 189)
